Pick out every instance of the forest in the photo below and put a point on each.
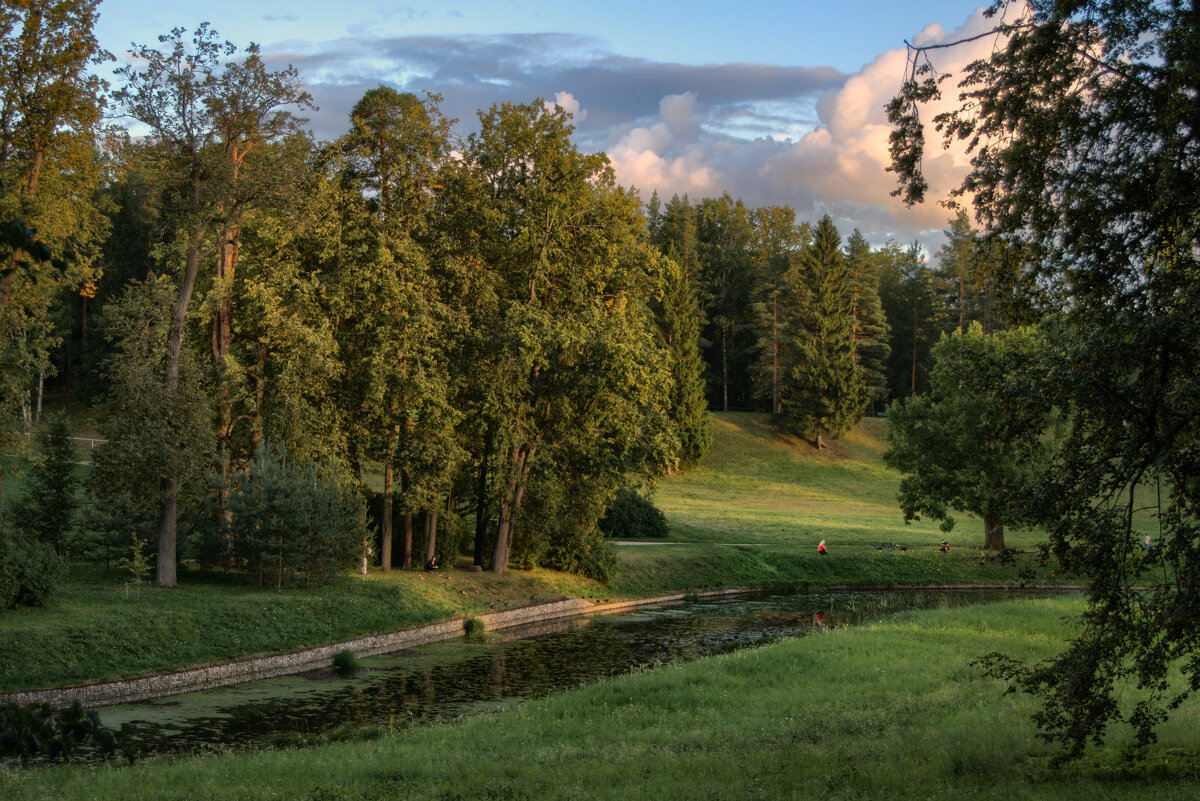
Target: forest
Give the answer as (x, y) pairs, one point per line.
(400, 346)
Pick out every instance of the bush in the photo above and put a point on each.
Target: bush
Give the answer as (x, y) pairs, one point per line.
(345, 661)
(36, 731)
(474, 628)
(631, 515)
(295, 523)
(30, 572)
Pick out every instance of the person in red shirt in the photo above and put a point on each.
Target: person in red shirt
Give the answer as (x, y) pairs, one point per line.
(821, 549)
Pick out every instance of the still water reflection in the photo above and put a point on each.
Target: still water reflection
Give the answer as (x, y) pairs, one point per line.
(458, 677)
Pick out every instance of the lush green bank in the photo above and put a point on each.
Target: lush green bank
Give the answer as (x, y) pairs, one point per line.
(890, 710)
(750, 515)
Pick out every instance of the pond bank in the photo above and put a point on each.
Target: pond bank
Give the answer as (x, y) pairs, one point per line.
(236, 671)
(222, 674)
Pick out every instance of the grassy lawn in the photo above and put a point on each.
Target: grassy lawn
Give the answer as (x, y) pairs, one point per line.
(885, 711)
(750, 515)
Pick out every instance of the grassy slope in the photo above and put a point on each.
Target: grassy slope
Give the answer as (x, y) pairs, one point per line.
(771, 496)
(885, 711)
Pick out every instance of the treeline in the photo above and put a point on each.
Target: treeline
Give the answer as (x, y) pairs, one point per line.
(489, 327)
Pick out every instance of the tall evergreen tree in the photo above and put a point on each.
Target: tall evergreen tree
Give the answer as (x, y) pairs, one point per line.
(678, 318)
(871, 346)
(777, 243)
(823, 392)
(724, 237)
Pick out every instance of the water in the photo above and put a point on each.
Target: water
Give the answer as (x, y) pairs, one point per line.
(457, 678)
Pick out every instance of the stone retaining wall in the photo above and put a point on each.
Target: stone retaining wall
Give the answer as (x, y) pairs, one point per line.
(203, 677)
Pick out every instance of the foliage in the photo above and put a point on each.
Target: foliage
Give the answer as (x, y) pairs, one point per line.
(630, 514)
(45, 511)
(345, 661)
(137, 564)
(870, 324)
(37, 731)
(822, 391)
(30, 571)
(1082, 133)
(982, 436)
(150, 432)
(294, 524)
(474, 628)
(678, 319)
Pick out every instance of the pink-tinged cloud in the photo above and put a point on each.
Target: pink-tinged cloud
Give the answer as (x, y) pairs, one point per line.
(837, 167)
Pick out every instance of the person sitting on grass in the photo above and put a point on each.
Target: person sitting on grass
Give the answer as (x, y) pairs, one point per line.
(821, 549)
(945, 548)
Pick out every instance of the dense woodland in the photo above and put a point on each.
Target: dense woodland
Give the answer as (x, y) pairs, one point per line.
(487, 328)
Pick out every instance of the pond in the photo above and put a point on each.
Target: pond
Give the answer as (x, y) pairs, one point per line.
(461, 677)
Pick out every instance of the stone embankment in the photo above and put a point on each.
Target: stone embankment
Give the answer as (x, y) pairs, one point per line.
(203, 677)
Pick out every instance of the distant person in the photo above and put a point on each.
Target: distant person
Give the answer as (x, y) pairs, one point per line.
(821, 549)
(431, 564)
(945, 547)
(819, 620)
(1147, 547)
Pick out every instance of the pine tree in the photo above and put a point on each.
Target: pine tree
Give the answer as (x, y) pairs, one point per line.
(822, 391)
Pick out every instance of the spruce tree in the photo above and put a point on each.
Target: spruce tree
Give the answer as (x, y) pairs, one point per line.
(678, 317)
(823, 392)
(871, 347)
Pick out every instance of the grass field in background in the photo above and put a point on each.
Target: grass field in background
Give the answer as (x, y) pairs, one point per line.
(890, 710)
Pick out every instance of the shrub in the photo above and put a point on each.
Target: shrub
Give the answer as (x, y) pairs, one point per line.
(36, 731)
(345, 661)
(631, 515)
(474, 628)
(30, 572)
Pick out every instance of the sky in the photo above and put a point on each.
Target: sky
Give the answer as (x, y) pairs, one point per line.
(776, 102)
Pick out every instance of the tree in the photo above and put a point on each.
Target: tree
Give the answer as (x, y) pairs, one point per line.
(45, 511)
(1082, 129)
(777, 242)
(50, 112)
(204, 113)
(150, 432)
(678, 319)
(974, 444)
(724, 236)
(822, 391)
(564, 366)
(870, 325)
(910, 294)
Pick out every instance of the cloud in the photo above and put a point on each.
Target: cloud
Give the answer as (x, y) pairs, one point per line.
(473, 72)
(807, 136)
(567, 102)
(836, 166)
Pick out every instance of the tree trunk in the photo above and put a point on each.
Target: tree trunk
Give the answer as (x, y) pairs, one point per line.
(385, 524)
(993, 532)
(510, 504)
(407, 524)
(431, 518)
(166, 519)
(775, 354)
(481, 502)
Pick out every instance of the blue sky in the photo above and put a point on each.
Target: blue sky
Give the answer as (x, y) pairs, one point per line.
(775, 102)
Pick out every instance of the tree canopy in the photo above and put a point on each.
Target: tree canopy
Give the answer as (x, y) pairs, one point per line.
(1082, 129)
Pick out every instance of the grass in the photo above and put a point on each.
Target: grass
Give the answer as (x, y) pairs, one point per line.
(750, 515)
(885, 711)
